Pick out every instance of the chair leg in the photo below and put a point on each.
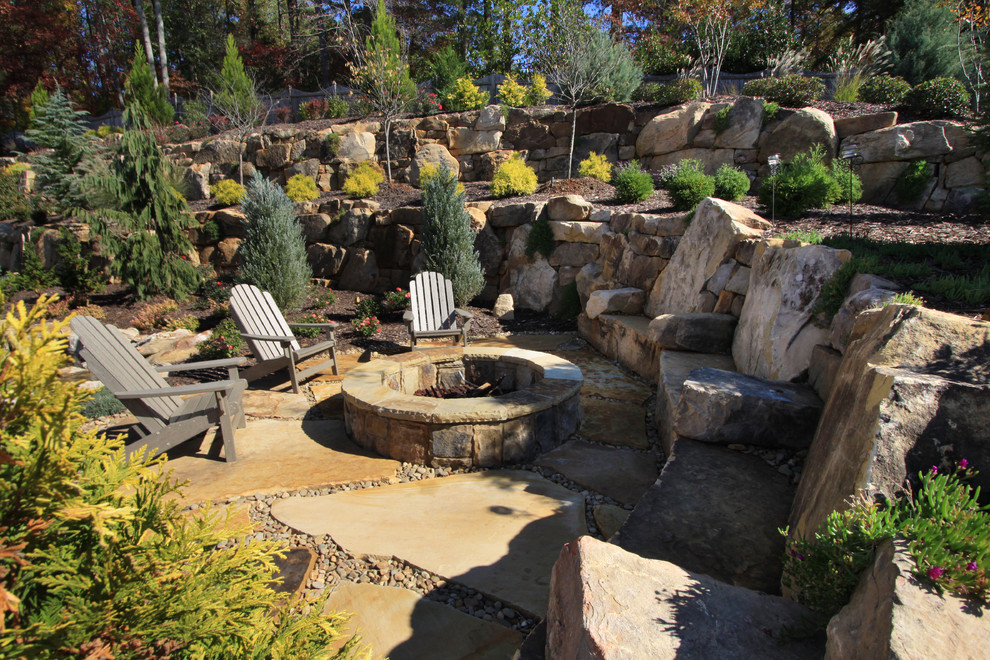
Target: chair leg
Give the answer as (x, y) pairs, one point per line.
(226, 429)
(293, 375)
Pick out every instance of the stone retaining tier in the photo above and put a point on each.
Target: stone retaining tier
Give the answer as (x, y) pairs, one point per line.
(543, 409)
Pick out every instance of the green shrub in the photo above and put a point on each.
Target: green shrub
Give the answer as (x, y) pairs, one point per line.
(632, 184)
(309, 333)
(227, 192)
(835, 290)
(14, 205)
(770, 110)
(689, 186)
(448, 242)
(333, 107)
(805, 236)
(154, 316)
(444, 68)
(731, 183)
(793, 91)
(331, 143)
(847, 85)
(182, 321)
(273, 254)
(367, 325)
(511, 93)
(888, 90)
(905, 298)
(540, 238)
(942, 97)
(660, 54)
(596, 166)
(806, 182)
(431, 170)
(721, 120)
(570, 302)
(649, 92)
(74, 272)
(225, 342)
(367, 307)
(103, 404)
(211, 230)
(513, 177)
(672, 93)
(922, 37)
(396, 300)
(538, 92)
(140, 88)
(464, 95)
(323, 297)
(913, 181)
(363, 181)
(215, 291)
(301, 188)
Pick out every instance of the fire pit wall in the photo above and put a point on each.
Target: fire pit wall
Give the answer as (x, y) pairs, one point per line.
(540, 410)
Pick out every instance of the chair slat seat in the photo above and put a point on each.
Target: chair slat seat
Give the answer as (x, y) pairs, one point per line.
(432, 312)
(270, 337)
(165, 419)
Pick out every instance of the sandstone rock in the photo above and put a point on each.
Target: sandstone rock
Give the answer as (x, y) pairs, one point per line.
(623, 339)
(739, 282)
(197, 179)
(314, 226)
(717, 282)
(775, 334)
(568, 207)
(847, 126)
(892, 616)
(609, 604)
(913, 391)
(274, 157)
(578, 232)
(967, 172)
(615, 301)
(658, 225)
(715, 511)
(799, 132)
(233, 223)
(352, 226)
(822, 370)
(653, 246)
(490, 119)
(699, 333)
(586, 279)
(432, 154)
(963, 199)
(310, 168)
(638, 271)
(514, 215)
(864, 281)
(603, 144)
(360, 271)
(671, 130)
(711, 159)
(356, 146)
(709, 241)
(609, 518)
(219, 151)
(842, 323)
(675, 367)
(504, 310)
(226, 255)
(920, 139)
(745, 122)
(573, 254)
(533, 284)
(532, 134)
(465, 141)
(726, 407)
(879, 180)
(607, 118)
(325, 259)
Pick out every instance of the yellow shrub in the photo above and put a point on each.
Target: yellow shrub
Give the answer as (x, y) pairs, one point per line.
(301, 188)
(596, 166)
(512, 93)
(465, 95)
(227, 192)
(363, 181)
(513, 177)
(538, 93)
(16, 168)
(429, 171)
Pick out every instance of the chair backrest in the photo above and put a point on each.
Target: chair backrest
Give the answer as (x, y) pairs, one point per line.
(431, 298)
(256, 313)
(112, 358)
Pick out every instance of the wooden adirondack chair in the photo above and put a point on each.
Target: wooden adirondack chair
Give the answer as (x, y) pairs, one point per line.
(166, 416)
(271, 340)
(431, 310)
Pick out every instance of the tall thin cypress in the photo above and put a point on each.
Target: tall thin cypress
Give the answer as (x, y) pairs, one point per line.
(142, 86)
(448, 241)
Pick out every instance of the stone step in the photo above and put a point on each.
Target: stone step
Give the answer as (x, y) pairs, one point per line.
(609, 604)
(624, 339)
(698, 333)
(714, 511)
(674, 368)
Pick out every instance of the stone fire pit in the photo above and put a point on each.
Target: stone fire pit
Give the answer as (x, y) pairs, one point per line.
(540, 409)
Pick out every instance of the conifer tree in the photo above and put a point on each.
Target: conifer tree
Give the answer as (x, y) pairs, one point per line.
(273, 254)
(142, 86)
(57, 126)
(448, 241)
(237, 100)
(139, 215)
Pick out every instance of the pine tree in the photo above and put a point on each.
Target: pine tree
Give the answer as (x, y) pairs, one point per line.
(57, 126)
(448, 241)
(237, 100)
(141, 86)
(139, 215)
(273, 254)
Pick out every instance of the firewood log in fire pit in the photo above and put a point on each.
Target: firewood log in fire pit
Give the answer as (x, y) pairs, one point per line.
(464, 391)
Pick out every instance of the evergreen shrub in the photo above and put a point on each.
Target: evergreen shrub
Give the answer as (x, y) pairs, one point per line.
(806, 182)
(513, 177)
(463, 94)
(538, 92)
(301, 188)
(792, 91)
(103, 404)
(721, 119)
(942, 97)
(227, 192)
(273, 254)
(540, 239)
(631, 183)
(14, 205)
(363, 181)
(731, 183)
(511, 93)
(448, 242)
(690, 185)
(912, 181)
(140, 87)
(672, 93)
(75, 274)
(429, 171)
(225, 342)
(888, 90)
(596, 166)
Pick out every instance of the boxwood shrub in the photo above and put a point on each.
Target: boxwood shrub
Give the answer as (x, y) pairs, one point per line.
(941, 97)
(690, 185)
(889, 90)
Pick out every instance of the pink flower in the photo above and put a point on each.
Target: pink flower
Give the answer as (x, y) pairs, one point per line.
(971, 566)
(933, 470)
(964, 464)
(378, 330)
(935, 572)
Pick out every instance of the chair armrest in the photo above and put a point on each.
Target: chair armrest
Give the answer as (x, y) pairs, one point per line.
(180, 390)
(208, 364)
(278, 338)
(463, 313)
(331, 324)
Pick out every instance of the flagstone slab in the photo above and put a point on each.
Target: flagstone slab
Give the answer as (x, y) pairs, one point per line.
(329, 396)
(498, 531)
(622, 474)
(614, 423)
(610, 518)
(605, 379)
(286, 405)
(278, 455)
(402, 625)
(547, 343)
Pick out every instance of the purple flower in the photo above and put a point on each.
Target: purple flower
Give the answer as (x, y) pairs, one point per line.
(934, 470)
(935, 572)
(964, 464)
(971, 566)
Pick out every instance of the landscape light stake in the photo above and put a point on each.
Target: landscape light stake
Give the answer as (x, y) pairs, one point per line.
(854, 159)
(774, 163)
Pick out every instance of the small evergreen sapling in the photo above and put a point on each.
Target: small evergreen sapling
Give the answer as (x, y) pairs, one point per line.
(273, 254)
(141, 87)
(448, 241)
(58, 126)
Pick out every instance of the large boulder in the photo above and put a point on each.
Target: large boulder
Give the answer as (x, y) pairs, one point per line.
(853, 306)
(864, 123)
(608, 604)
(674, 368)
(275, 157)
(892, 616)
(745, 122)
(325, 259)
(432, 154)
(568, 207)
(913, 390)
(578, 232)
(219, 152)
(776, 332)
(711, 159)
(921, 139)
(360, 271)
(700, 333)
(314, 226)
(464, 141)
(799, 132)
(533, 284)
(671, 130)
(711, 239)
(356, 146)
(615, 301)
(490, 119)
(352, 226)
(197, 180)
